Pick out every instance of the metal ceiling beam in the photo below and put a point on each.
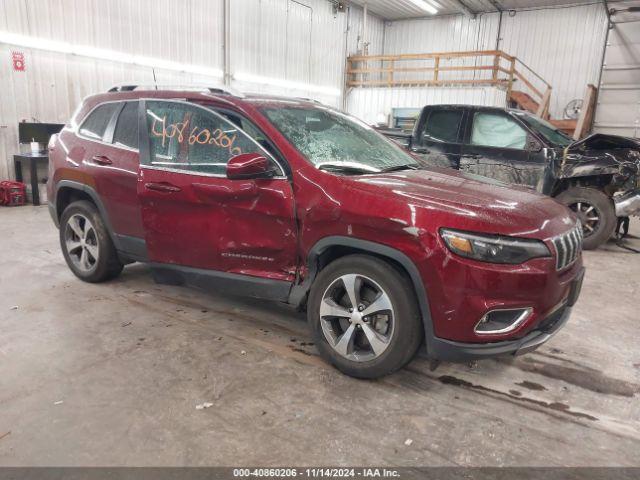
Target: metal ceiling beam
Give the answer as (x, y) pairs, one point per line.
(463, 8)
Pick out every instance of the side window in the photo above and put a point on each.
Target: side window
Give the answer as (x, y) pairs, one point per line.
(188, 137)
(126, 132)
(496, 130)
(96, 123)
(443, 125)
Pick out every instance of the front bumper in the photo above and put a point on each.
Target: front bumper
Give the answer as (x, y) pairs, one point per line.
(627, 204)
(452, 351)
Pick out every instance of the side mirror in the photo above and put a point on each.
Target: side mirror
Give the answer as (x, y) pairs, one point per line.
(249, 165)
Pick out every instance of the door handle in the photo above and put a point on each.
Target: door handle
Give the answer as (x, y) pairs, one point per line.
(163, 187)
(101, 160)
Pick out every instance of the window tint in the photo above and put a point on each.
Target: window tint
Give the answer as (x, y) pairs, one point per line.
(126, 133)
(96, 123)
(496, 130)
(443, 125)
(192, 138)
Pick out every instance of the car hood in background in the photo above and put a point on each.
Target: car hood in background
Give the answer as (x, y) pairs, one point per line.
(601, 154)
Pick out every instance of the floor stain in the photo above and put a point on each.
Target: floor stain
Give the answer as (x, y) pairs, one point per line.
(593, 380)
(557, 406)
(531, 385)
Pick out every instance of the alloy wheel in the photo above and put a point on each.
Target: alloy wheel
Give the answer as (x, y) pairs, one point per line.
(588, 215)
(81, 242)
(357, 317)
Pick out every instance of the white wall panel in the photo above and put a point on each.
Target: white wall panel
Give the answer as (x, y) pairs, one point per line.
(563, 45)
(375, 32)
(369, 103)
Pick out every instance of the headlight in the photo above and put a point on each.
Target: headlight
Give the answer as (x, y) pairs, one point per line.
(493, 248)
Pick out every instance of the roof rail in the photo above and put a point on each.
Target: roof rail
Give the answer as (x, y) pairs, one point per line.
(217, 89)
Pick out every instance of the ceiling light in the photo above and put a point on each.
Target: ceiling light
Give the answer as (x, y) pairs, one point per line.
(102, 54)
(427, 7)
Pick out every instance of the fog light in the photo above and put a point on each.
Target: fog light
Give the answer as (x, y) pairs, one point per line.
(502, 321)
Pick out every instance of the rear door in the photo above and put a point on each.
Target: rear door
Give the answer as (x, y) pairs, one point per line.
(496, 146)
(195, 218)
(438, 136)
(111, 158)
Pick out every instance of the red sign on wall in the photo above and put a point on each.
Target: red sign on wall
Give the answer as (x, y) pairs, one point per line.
(18, 61)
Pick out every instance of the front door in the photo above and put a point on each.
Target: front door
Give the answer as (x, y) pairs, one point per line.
(199, 224)
(497, 147)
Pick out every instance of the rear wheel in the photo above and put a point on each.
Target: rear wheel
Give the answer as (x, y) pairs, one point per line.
(364, 316)
(86, 244)
(594, 210)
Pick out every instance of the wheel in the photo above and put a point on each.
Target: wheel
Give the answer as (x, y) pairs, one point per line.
(86, 244)
(364, 316)
(594, 210)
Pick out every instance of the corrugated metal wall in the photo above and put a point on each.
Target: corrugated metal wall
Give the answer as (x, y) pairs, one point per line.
(618, 108)
(563, 45)
(370, 104)
(299, 41)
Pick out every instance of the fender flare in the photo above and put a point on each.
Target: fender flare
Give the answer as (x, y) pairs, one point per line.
(96, 199)
(299, 292)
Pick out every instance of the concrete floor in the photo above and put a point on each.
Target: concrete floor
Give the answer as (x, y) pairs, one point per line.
(111, 374)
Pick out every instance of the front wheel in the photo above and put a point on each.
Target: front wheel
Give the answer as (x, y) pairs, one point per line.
(595, 211)
(364, 316)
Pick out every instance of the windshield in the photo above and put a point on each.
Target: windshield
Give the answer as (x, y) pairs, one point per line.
(334, 141)
(548, 131)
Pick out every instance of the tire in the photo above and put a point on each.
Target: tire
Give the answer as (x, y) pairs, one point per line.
(86, 244)
(396, 330)
(588, 203)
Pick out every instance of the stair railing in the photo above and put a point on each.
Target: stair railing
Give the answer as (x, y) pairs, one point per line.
(466, 68)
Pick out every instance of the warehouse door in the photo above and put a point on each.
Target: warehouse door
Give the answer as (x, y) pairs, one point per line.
(618, 109)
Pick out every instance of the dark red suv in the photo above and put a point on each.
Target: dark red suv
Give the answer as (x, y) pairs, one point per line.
(290, 200)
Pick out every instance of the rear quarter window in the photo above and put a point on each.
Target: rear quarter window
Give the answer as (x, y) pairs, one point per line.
(96, 123)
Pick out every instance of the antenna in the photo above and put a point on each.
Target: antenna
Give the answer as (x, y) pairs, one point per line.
(155, 82)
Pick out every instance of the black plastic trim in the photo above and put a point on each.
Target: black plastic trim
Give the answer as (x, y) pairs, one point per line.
(96, 199)
(299, 292)
(451, 351)
(216, 281)
(134, 248)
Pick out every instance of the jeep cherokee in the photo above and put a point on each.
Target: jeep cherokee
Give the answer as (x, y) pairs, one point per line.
(293, 201)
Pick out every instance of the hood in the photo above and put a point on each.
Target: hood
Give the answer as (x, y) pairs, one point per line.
(443, 198)
(601, 154)
(603, 142)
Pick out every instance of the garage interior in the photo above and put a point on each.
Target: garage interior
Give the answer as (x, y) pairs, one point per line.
(134, 373)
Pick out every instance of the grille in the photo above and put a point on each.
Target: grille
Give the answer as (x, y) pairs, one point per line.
(568, 246)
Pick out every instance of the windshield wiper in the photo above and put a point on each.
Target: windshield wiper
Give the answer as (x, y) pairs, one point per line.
(354, 168)
(396, 168)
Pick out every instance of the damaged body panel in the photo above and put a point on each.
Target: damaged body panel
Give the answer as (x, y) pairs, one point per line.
(598, 177)
(293, 201)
